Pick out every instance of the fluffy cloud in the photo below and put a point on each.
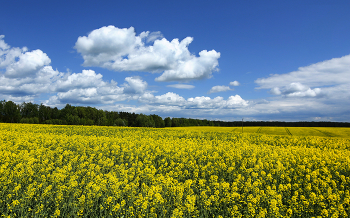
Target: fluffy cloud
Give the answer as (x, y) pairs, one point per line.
(8, 55)
(21, 63)
(181, 86)
(169, 98)
(106, 44)
(92, 89)
(122, 50)
(307, 93)
(203, 102)
(319, 79)
(153, 36)
(29, 64)
(215, 89)
(86, 79)
(194, 68)
(135, 85)
(275, 91)
(234, 83)
(24, 74)
(296, 90)
(235, 101)
(29, 86)
(218, 102)
(3, 44)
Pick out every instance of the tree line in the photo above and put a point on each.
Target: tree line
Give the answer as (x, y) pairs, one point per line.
(11, 112)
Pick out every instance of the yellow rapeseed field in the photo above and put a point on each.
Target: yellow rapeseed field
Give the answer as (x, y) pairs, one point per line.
(90, 171)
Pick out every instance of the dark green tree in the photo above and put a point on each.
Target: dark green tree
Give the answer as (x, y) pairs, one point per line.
(55, 113)
(175, 122)
(144, 121)
(158, 121)
(81, 112)
(111, 116)
(121, 122)
(2, 104)
(29, 110)
(92, 114)
(75, 111)
(101, 118)
(167, 122)
(67, 110)
(11, 112)
(44, 113)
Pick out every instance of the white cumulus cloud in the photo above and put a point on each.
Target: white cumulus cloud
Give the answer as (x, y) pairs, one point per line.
(28, 64)
(25, 75)
(200, 102)
(194, 68)
(21, 62)
(135, 85)
(275, 91)
(170, 98)
(89, 88)
(296, 90)
(122, 50)
(29, 86)
(215, 89)
(234, 83)
(85, 79)
(153, 36)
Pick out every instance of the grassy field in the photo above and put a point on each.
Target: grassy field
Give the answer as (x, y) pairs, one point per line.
(92, 171)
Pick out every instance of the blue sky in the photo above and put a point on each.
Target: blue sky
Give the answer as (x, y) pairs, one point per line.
(218, 60)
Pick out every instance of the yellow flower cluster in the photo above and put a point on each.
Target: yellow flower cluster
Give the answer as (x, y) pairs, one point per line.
(90, 171)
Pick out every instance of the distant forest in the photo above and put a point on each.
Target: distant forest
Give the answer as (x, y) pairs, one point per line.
(78, 115)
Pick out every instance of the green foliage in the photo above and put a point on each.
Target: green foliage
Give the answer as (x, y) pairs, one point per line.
(121, 122)
(11, 112)
(144, 121)
(167, 122)
(158, 121)
(29, 110)
(2, 104)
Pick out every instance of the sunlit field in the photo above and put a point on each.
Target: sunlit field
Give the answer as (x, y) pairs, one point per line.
(91, 171)
(267, 130)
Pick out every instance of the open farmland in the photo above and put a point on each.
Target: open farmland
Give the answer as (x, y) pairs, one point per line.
(341, 132)
(91, 171)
